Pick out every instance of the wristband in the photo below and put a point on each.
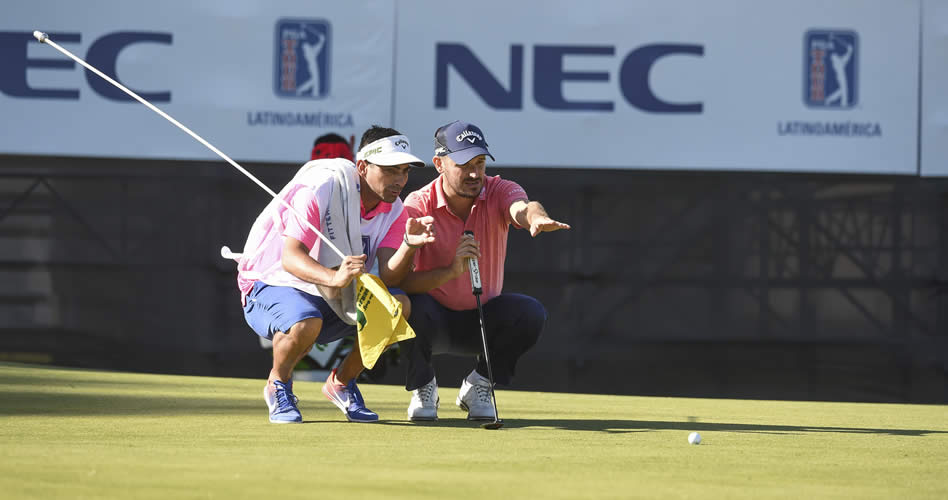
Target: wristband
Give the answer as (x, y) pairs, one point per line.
(405, 239)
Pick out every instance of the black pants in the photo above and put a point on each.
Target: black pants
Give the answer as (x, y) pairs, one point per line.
(513, 323)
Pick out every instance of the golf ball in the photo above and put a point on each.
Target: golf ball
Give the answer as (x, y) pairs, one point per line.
(694, 438)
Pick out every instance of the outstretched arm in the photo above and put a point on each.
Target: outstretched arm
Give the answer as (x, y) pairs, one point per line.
(849, 53)
(531, 215)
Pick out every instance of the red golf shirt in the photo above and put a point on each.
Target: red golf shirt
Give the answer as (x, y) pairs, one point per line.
(489, 220)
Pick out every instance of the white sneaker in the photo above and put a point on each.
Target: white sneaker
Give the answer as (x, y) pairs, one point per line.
(424, 402)
(474, 398)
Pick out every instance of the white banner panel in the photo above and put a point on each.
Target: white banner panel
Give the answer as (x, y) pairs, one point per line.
(682, 84)
(934, 82)
(259, 80)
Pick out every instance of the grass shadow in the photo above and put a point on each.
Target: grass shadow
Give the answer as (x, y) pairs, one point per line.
(624, 426)
(458, 423)
(20, 403)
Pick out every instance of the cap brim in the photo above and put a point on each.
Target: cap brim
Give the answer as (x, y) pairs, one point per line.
(465, 155)
(396, 158)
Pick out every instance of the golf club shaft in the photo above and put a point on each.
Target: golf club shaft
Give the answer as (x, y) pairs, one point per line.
(490, 373)
(43, 38)
(477, 289)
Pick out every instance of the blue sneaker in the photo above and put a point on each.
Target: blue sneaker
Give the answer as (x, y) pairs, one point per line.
(289, 387)
(282, 403)
(357, 411)
(348, 399)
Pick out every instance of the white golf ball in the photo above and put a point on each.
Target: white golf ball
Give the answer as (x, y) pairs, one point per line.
(694, 438)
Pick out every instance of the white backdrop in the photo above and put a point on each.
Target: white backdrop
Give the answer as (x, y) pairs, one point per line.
(749, 81)
(220, 69)
(745, 72)
(934, 82)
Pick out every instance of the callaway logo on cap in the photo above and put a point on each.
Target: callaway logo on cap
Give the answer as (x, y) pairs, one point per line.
(461, 142)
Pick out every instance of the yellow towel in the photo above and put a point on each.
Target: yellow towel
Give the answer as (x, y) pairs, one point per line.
(379, 318)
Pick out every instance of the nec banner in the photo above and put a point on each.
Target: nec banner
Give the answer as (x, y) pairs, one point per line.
(764, 85)
(684, 84)
(934, 154)
(259, 81)
(549, 76)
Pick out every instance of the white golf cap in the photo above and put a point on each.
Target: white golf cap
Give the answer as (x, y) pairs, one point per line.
(392, 150)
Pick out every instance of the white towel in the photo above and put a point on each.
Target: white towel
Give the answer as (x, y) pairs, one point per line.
(347, 236)
(341, 224)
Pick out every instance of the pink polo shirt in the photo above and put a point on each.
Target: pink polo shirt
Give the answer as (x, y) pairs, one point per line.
(269, 249)
(489, 220)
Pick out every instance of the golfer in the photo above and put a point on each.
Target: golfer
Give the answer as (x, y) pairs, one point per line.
(445, 317)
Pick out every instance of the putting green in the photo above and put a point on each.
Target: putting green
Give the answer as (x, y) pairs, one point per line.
(68, 433)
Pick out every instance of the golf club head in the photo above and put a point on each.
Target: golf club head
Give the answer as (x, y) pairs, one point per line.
(496, 424)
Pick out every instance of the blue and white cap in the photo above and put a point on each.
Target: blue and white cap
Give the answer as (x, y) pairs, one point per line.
(460, 141)
(392, 150)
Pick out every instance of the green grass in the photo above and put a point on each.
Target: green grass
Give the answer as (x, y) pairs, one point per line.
(88, 434)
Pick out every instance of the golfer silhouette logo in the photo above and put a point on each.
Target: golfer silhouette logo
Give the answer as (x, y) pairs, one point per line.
(830, 60)
(302, 58)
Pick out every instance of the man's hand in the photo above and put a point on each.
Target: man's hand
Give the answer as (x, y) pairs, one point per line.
(468, 248)
(543, 224)
(531, 215)
(419, 231)
(351, 267)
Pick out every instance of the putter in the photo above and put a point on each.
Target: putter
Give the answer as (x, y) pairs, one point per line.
(476, 290)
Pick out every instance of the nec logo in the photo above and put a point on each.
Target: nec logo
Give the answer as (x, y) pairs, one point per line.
(830, 59)
(549, 76)
(102, 54)
(302, 58)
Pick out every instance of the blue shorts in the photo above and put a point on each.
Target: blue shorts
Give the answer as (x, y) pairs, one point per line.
(272, 309)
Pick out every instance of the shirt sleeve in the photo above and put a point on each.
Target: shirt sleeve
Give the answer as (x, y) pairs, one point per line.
(304, 201)
(393, 238)
(413, 205)
(506, 193)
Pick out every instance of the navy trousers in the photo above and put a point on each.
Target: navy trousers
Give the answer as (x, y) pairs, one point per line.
(513, 323)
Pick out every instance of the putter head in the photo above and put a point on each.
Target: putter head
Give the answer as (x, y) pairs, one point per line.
(496, 424)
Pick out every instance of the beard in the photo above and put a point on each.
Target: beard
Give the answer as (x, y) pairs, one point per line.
(469, 190)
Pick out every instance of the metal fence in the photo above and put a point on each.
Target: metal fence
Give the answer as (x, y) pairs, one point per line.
(678, 283)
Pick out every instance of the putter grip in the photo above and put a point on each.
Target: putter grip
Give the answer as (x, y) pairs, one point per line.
(475, 272)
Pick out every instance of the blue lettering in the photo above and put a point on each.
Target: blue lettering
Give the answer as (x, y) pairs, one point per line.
(13, 53)
(548, 89)
(478, 77)
(549, 76)
(103, 55)
(634, 73)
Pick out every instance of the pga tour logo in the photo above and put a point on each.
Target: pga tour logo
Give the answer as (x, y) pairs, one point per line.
(302, 58)
(830, 60)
